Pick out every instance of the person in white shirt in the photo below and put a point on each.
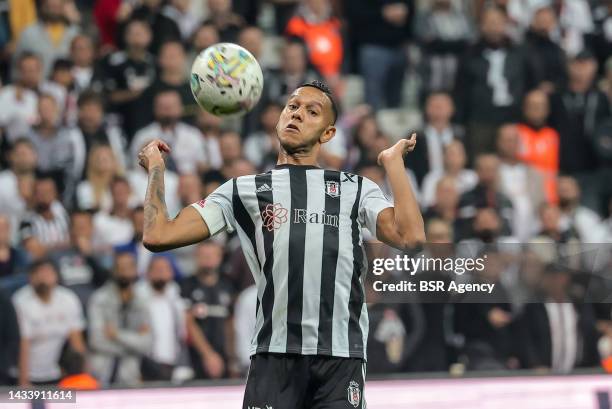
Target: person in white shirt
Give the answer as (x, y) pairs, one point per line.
(82, 54)
(454, 166)
(167, 312)
(49, 315)
(115, 227)
(93, 193)
(244, 325)
(188, 150)
(522, 184)
(17, 183)
(582, 219)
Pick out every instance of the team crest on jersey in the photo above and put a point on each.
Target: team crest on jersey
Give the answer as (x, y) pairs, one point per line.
(332, 188)
(354, 394)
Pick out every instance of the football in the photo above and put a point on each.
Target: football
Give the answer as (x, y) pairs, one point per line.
(226, 80)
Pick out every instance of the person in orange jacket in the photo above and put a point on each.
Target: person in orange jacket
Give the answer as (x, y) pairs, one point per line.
(75, 377)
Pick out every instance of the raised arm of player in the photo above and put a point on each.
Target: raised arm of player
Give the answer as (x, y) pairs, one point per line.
(400, 226)
(160, 232)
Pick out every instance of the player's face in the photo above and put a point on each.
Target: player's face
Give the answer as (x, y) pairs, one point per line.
(305, 121)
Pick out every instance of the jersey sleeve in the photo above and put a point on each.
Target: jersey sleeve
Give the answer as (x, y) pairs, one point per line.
(372, 202)
(217, 209)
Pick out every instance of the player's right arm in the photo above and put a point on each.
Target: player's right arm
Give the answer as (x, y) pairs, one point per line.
(160, 232)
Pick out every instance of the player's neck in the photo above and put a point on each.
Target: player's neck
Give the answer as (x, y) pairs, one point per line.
(302, 159)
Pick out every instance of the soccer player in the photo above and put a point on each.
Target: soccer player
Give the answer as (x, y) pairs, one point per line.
(300, 231)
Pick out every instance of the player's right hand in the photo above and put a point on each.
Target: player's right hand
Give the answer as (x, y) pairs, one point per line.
(151, 154)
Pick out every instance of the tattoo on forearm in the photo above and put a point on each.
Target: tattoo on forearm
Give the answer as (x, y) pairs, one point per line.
(154, 200)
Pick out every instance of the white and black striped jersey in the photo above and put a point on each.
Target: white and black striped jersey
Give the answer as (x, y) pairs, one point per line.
(49, 232)
(300, 231)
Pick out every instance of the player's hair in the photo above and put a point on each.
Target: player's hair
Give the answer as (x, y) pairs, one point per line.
(321, 86)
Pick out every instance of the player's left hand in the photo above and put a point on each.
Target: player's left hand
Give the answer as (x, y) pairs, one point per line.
(397, 151)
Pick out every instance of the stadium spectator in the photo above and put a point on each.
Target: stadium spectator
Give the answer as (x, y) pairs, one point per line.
(252, 38)
(80, 268)
(12, 261)
(19, 103)
(558, 332)
(61, 75)
(230, 147)
(56, 151)
(167, 313)
(244, 325)
(521, 183)
(576, 111)
(171, 76)
(106, 15)
(163, 28)
(444, 31)
(210, 126)
(488, 327)
(583, 220)
(539, 144)
(600, 40)
(454, 166)
(178, 11)
(92, 129)
(261, 148)
(227, 23)
(188, 150)
(544, 55)
(114, 228)
(17, 183)
(45, 227)
(30, 76)
(490, 83)
(82, 55)
(49, 315)
(51, 35)
(126, 74)
(438, 132)
(551, 228)
(93, 193)
(320, 31)
(119, 326)
(9, 339)
(283, 11)
(74, 376)
(208, 299)
(190, 190)
(444, 206)
(486, 195)
(293, 72)
(388, 26)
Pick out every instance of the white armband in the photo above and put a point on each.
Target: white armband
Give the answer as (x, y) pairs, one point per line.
(212, 215)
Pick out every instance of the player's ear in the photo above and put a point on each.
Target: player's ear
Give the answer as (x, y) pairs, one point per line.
(328, 134)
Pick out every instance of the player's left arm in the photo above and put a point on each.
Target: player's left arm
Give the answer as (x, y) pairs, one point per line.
(400, 226)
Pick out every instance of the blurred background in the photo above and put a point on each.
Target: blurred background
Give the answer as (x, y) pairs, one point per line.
(511, 103)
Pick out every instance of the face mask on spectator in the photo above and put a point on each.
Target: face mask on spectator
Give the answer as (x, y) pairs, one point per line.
(167, 120)
(124, 282)
(158, 285)
(42, 289)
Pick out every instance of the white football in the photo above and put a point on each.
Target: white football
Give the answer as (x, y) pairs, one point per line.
(226, 80)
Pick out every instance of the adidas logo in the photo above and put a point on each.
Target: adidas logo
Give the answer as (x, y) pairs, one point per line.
(264, 188)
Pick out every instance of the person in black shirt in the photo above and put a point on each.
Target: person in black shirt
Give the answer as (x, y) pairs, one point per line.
(128, 73)
(11, 259)
(9, 339)
(171, 76)
(209, 300)
(576, 112)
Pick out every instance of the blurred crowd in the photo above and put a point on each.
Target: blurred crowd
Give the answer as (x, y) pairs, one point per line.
(511, 100)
